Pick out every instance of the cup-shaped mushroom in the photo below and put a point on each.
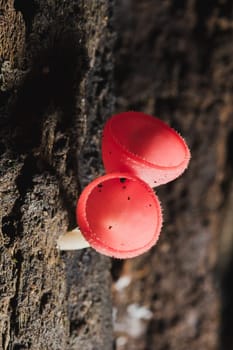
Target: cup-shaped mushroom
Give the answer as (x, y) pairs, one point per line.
(119, 215)
(145, 146)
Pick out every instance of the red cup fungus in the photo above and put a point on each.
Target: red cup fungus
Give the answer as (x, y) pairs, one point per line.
(145, 146)
(119, 215)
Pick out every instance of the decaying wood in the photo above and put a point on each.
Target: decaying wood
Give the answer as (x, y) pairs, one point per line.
(55, 83)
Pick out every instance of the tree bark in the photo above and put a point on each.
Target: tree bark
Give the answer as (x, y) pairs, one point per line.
(173, 60)
(55, 93)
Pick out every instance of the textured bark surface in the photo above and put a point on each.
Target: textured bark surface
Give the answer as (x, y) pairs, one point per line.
(55, 92)
(174, 60)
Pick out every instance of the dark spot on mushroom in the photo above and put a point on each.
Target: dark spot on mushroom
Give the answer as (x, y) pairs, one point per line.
(128, 198)
(150, 205)
(110, 227)
(110, 152)
(155, 182)
(124, 187)
(122, 179)
(100, 185)
(99, 191)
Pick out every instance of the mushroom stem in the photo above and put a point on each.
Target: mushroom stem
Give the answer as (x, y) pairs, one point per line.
(72, 240)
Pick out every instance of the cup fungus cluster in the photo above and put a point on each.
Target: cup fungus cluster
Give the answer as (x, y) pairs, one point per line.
(118, 213)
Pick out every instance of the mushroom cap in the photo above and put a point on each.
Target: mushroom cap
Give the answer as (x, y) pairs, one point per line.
(145, 146)
(119, 215)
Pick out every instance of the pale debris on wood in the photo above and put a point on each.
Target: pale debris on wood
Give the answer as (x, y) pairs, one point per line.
(122, 283)
(134, 322)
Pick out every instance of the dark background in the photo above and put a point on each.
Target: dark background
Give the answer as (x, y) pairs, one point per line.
(174, 60)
